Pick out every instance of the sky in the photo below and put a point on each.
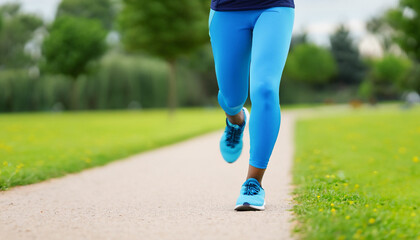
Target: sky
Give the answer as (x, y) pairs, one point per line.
(318, 18)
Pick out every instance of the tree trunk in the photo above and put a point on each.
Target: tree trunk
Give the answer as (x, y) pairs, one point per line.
(172, 96)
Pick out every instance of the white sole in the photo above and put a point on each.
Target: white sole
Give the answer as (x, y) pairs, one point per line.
(249, 207)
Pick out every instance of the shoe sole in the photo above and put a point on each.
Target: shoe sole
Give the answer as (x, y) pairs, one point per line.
(249, 207)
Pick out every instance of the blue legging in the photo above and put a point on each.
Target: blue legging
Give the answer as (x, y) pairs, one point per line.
(254, 44)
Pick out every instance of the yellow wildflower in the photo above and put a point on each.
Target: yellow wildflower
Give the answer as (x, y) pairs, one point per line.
(321, 209)
(351, 202)
(356, 185)
(372, 221)
(5, 163)
(413, 214)
(333, 210)
(347, 217)
(318, 196)
(415, 159)
(332, 204)
(374, 210)
(367, 205)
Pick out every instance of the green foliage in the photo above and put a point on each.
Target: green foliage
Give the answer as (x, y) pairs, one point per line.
(413, 80)
(19, 92)
(366, 90)
(357, 175)
(350, 66)
(35, 147)
(121, 82)
(388, 77)
(72, 45)
(292, 92)
(101, 10)
(200, 64)
(16, 29)
(391, 69)
(310, 64)
(14, 84)
(405, 20)
(9, 9)
(164, 28)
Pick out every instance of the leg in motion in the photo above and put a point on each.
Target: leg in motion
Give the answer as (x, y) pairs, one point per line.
(230, 35)
(271, 41)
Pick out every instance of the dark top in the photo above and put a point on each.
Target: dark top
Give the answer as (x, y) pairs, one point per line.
(237, 5)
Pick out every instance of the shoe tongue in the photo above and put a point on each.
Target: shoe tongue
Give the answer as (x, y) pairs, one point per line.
(233, 125)
(253, 180)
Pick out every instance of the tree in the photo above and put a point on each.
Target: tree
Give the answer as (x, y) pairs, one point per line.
(405, 20)
(311, 64)
(102, 10)
(166, 29)
(351, 69)
(16, 29)
(73, 44)
(387, 78)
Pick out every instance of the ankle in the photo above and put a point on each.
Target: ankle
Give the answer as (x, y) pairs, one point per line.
(237, 119)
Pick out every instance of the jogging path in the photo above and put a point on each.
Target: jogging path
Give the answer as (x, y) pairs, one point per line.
(182, 191)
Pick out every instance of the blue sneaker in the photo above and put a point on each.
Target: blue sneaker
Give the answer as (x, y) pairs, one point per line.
(231, 141)
(252, 197)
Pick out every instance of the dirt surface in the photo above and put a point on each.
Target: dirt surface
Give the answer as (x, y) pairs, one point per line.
(182, 191)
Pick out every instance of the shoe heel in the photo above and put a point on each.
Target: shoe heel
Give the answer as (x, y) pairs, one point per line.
(247, 115)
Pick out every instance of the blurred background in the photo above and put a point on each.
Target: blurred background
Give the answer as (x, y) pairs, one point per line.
(60, 55)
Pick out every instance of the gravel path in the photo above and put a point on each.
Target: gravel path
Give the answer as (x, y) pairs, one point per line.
(182, 191)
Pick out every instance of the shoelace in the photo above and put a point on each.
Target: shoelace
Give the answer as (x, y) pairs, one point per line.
(233, 135)
(251, 189)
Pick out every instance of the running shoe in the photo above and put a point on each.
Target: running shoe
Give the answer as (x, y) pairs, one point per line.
(251, 197)
(231, 141)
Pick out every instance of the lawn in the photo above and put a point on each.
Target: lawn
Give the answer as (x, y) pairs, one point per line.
(38, 146)
(357, 175)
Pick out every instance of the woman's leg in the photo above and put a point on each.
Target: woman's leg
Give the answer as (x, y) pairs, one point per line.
(271, 41)
(231, 37)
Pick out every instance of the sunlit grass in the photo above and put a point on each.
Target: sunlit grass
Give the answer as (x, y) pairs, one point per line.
(38, 146)
(358, 175)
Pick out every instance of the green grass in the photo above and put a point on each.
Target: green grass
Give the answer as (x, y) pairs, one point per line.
(358, 175)
(38, 146)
